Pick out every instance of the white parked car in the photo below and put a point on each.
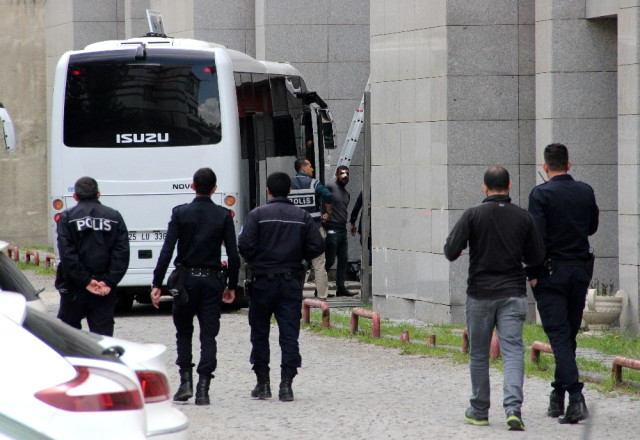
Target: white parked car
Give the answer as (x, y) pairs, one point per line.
(64, 398)
(163, 420)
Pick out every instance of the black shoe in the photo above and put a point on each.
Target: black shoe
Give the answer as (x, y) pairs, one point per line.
(346, 293)
(185, 390)
(556, 404)
(202, 390)
(471, 417)
(576, 411)
(286, 392)
(514, 421)
(262, 390)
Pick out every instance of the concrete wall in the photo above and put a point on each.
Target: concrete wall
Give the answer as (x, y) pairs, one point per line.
(628, 127)
(453, 93)
(23, 173)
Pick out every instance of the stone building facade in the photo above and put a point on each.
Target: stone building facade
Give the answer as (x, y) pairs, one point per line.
(457, 86)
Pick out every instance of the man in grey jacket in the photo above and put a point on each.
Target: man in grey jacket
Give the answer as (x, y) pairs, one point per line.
(501, 236)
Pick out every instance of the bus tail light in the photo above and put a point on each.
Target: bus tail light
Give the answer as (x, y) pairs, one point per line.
(233, 214)
(155, 386)
(58, 204)
(80, 395)
(56, 217)
(229, 200)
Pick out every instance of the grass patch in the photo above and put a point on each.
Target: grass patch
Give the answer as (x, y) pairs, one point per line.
(42, 270)
(449, 342)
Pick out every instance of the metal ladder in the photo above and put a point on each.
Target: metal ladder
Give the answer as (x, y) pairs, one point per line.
(354, 132)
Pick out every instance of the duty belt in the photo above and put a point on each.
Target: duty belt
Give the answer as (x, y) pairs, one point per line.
(204, 272)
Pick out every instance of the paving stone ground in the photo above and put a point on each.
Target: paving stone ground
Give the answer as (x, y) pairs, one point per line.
(351, 390)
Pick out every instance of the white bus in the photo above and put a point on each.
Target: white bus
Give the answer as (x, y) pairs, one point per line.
(142, 115)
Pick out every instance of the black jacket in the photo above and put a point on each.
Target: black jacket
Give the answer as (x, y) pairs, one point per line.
(200, 228)
(276, 237)
(501, 236)
(93, 243)
(566, 213)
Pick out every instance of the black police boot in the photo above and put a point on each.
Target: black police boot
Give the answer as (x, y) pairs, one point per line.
(262, 390)
(286, 393)
(556, 404)
(576, 410)
(202, 390)
(185, 390)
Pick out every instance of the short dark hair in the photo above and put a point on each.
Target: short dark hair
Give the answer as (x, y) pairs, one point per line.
(86, 188)
(279, 184)
(497, 178)
(556, 156)
(204, 180)
(341, 168)
(299, 164)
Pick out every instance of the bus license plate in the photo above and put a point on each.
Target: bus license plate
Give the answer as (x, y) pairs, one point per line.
(151, 236)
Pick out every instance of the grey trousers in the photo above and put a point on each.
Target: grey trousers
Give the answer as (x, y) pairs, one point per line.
(507, 316)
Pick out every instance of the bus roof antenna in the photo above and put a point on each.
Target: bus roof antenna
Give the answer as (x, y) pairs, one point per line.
(156, 24)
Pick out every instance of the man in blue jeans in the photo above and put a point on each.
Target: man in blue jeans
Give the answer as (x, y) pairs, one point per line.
(336, 242)
(501, 236)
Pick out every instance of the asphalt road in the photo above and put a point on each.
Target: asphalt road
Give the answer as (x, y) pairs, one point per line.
(352, 390)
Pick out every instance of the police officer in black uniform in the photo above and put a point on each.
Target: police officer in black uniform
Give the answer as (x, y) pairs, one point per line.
(566, 214)
(306, 193)
(199, 228)
(274, 240)
(93, 244)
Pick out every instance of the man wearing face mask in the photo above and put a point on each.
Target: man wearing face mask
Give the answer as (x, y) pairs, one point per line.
(336, 244)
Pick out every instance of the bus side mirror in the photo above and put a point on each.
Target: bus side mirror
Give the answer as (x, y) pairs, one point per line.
(8, 132)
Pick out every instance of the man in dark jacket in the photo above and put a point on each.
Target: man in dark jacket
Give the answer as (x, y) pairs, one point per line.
(93, 245)
(567, 214)
(274, 240)
(199, 228)
(337, 245)
(501, 236)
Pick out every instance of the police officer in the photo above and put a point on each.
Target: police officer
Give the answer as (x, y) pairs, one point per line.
(274, 240)
(566, 214)
(93, 245)
(199, 228)
(306, 193)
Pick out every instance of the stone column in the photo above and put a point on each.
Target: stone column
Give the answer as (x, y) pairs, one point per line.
(629, 158)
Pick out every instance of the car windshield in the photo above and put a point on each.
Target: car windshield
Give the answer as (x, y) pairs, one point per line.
(13, 280)
(64, 339)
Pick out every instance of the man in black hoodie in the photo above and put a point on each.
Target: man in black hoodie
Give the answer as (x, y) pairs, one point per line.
(501, 236)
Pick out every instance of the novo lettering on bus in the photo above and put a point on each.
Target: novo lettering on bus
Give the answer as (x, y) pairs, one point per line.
(140, 138)
(181, 186)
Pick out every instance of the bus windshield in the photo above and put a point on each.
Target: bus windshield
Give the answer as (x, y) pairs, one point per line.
(114, 100)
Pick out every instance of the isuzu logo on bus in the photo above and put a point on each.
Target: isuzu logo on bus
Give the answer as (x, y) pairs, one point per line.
(141, 138)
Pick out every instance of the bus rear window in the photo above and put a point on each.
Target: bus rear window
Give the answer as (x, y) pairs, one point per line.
(163, 100)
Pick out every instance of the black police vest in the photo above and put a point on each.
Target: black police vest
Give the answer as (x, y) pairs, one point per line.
(303, 195)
